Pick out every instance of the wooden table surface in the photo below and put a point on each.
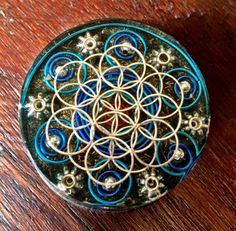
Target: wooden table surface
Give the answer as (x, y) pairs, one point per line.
(206, 200)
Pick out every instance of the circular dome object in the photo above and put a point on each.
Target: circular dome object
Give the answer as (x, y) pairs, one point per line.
(114, 114)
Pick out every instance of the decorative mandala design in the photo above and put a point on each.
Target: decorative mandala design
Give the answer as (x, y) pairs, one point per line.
(120, 114)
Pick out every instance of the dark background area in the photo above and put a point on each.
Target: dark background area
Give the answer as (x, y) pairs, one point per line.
(206, 199)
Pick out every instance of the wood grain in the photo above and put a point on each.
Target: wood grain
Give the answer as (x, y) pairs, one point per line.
(206, 200)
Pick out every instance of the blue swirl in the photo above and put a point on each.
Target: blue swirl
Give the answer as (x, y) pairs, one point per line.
(104, 201)
(40, 146)
(187, 154)
(184, 172)
(194, 81)
(118, 50)
(49, 69)
(193, 87)
(108, 193)
(62, 142)
(132, 36)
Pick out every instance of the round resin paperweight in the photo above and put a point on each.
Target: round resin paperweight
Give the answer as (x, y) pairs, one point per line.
(114, 114)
